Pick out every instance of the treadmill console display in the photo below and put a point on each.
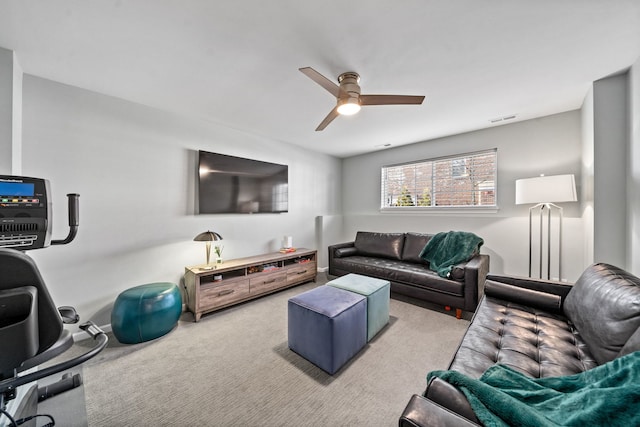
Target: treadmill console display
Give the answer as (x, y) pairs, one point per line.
(25, 212)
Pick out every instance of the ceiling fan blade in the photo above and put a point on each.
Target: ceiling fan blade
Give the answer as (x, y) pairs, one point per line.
(332, 115)
(390, 99)
(333, 88)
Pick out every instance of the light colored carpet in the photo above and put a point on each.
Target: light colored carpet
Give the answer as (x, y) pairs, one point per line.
(234, 368)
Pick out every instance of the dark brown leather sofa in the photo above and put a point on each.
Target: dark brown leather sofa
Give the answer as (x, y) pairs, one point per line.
(540, 328)
(396, 257)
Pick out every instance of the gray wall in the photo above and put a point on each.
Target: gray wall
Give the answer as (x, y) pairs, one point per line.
(10, 113)
(134, 168)
(611, 165)
(633, 179)
(549, 145)
(611, 170)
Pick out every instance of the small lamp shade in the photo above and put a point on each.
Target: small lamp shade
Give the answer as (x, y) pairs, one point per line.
(208, 236)
(546, 189)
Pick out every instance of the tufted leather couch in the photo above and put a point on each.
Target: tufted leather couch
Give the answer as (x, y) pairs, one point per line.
(396, 257)
(540, 328)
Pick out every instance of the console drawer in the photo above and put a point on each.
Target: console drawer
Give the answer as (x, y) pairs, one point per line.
(267, 281)
(303, 271)
(218, 294)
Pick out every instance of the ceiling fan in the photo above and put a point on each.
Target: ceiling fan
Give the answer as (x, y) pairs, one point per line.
(348, 95)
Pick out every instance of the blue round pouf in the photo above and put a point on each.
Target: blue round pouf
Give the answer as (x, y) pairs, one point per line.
(146, 312)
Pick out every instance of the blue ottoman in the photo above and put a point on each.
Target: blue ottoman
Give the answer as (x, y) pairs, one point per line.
(327, 326)
(377, 292)
(146, 312)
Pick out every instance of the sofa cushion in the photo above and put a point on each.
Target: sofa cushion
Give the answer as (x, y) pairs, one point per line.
(399, 272)
(604, 305)
(414, 243)
(386, 245)
(530, 340)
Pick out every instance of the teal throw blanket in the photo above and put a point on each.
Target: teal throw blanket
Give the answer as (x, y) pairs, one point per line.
(608, 395)
(447, 249)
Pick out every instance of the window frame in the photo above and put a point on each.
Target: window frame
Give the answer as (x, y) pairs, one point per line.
(443, 209)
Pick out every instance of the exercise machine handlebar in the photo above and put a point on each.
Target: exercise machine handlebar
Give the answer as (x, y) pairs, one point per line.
(74, 220)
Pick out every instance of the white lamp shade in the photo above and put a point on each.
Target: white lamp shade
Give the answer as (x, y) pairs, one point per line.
(546, 189)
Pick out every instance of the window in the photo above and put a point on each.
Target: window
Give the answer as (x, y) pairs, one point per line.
(280, 197)
(460, 181)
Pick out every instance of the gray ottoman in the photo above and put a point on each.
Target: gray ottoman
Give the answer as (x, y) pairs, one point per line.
(327, 326)
(377, 292)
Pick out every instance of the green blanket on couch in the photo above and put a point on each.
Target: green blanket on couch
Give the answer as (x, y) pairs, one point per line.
(447, 249)
(608, 395)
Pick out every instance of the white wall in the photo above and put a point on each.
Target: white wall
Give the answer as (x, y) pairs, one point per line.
(134, 168)
(549, 145)
(586, 193)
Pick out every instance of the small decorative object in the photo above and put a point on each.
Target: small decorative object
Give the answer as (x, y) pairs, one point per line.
(218, 250)
(208, 237)
(254, 269)
(270, 267)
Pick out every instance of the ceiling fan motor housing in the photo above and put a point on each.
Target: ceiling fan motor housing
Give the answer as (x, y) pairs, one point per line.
(349, 84)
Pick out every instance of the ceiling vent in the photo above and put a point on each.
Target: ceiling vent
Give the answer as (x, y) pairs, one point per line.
(503, 119)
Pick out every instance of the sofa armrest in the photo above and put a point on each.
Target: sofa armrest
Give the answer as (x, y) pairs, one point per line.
(332, 248)
(475, 274)
(548, 286)
(344, 252)
(338, 247)
(450, 397)
(529, 297)
(424, 412)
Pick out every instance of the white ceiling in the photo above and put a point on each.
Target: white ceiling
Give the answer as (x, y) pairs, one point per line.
(236, 62)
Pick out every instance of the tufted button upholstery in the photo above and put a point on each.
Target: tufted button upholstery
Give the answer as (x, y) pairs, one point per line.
(532, 341)
(542, 328)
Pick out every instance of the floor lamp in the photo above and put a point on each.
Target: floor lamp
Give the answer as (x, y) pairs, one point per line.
(544, 192)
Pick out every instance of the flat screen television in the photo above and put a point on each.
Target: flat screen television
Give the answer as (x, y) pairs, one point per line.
(228, 184)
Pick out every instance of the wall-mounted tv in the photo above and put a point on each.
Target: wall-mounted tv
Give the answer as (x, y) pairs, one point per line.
(228, 184)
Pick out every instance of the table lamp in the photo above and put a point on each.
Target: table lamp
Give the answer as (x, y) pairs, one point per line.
(208, 236)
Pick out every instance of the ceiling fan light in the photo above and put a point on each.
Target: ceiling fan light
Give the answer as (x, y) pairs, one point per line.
(349, 107)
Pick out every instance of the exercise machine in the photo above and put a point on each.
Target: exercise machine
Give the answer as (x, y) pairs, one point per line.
(31, 326)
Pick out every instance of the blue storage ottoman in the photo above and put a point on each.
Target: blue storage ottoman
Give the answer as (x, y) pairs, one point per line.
(146, 312)
(377, 292)
(327, 326)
